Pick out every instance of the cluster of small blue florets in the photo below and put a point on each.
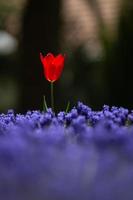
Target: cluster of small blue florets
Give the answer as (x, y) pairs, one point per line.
(82, 154)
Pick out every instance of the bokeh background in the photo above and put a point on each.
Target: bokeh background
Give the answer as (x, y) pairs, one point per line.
(97, 37)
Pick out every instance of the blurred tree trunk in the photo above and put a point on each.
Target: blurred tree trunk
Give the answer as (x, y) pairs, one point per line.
(40, 33)
(120, 62)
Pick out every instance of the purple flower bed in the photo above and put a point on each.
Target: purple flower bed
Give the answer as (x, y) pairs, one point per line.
(82, 154)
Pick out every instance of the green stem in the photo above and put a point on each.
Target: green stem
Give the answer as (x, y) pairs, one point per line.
(52, 96)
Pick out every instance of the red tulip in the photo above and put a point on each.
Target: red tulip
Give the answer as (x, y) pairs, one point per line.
(52, 65)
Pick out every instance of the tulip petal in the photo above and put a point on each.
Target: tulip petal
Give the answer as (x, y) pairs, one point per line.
(59, 63)
(52, 66)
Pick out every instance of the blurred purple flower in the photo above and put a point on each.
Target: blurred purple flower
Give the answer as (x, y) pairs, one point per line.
(82, 154)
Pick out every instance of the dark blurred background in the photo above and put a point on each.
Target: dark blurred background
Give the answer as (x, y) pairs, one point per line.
(97, 37)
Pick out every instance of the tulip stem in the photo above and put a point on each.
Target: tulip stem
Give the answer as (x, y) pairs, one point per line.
(52, 96)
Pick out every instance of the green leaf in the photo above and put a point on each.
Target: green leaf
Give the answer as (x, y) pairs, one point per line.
(45, 108)
(68, 106)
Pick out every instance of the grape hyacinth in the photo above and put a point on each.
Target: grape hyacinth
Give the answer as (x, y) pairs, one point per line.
(82, 154)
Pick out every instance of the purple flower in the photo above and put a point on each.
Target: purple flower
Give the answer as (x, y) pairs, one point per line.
(83, 154)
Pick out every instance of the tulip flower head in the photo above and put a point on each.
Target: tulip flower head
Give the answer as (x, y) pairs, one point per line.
(53, 66)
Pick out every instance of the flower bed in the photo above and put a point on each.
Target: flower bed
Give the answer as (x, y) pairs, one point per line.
(82, 154)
